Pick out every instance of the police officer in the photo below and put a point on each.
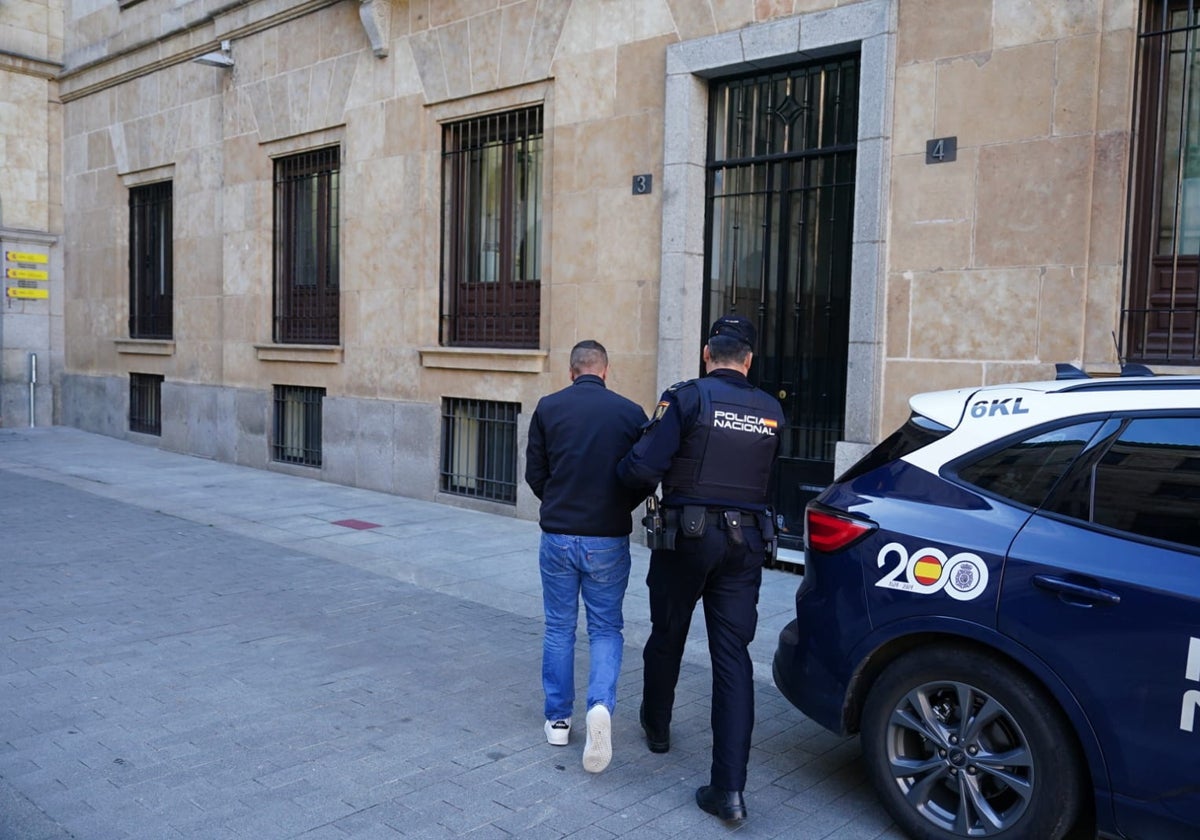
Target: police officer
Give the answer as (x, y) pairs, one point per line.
(712, 443)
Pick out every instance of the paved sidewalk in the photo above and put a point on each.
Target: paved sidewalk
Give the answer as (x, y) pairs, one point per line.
(195, 649)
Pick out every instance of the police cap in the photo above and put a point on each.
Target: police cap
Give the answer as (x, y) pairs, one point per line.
(734, 326)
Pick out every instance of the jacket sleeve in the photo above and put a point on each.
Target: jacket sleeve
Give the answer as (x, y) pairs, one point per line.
(537, 466)
(643, 468)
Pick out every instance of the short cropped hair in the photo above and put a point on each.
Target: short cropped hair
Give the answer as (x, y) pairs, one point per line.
(588, 356)
(725, 349)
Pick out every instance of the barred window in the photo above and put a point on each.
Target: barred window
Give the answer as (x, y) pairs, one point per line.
(150, 275)
(492, 217)
(306, 248)
(297, 438)
(145, 403)
(1162, 311)
(479, 449)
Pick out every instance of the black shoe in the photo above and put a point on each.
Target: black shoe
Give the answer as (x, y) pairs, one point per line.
(726, 804)
(658, 742)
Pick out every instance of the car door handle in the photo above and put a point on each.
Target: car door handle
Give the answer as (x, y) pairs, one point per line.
(1089, 594)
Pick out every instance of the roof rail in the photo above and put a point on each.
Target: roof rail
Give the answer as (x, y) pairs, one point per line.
(1063, 370)
(1134, 369)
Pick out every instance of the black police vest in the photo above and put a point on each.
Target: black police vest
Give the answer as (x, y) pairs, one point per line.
(728, 452)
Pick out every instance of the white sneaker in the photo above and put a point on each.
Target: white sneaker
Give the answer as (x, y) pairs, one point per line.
(558, 732)
(597, 753)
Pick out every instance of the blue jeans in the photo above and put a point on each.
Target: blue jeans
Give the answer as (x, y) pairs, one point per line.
(597, 568)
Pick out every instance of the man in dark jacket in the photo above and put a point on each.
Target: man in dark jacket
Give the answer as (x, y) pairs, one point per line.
(712, 443)
(576, 437)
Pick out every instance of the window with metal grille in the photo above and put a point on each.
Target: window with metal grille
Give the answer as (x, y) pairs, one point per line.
(479, 448)
(492, 217)
(150, 276)
(145, 403)
(1162, 310)
(306, 248)
(297, 437)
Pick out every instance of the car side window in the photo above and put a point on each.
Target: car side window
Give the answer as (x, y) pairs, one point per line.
(1148, 482)
(1026, 471)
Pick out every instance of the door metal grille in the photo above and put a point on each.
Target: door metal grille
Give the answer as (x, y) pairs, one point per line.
(780, 232)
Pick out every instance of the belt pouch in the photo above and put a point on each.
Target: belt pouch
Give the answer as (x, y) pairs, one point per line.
(666, 539)
(733, 527)
(691, 520)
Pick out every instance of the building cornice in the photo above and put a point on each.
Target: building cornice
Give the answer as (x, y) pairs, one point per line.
(178, 46)
(25, 65)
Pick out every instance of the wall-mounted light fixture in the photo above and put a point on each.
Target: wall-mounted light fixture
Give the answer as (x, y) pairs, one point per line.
(221, 58)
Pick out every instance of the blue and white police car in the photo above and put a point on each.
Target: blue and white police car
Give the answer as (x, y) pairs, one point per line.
(1003, 600)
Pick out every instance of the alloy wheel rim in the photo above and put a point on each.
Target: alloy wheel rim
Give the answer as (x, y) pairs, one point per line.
(959, 758)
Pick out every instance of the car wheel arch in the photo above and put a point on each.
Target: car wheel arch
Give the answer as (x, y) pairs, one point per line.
(872, 663)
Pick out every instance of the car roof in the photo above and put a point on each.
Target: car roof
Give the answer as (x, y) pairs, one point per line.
(948, 407)
(979, 415)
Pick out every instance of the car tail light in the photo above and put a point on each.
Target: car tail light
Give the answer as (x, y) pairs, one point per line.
(829, 532)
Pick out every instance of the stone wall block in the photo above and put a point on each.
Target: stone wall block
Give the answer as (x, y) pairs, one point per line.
(899, 297)
(931, 246)
(1075, 92)
(1007, 96)
(932, 193)
(585, 87)
(576, 234)
(1102, 314)
(1021, 22)
(485, 32)
(847, 24)
(455, 43)
(771, 43)
(374, 446)
(723, 50)
(1106, 240)
(641, 67)
(979, 314)
(731, 14)
(1034, 203)
(934, 29)
(865, 323)
(868, 177)
(340, 432)
(692, 19)
(428, 56)
(874, 101)
(516, 26)
(1114, 82)
(415, 468)
(544, 39)
(1063, 290)
(914, 120)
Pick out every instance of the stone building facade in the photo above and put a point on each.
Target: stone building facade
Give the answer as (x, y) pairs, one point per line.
(31, 212)
(375, 228)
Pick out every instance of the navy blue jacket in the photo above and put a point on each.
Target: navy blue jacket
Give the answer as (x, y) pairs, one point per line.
(576, 437)
(699, 465)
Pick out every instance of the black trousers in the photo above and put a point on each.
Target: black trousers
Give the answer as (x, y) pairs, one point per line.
(727, 576)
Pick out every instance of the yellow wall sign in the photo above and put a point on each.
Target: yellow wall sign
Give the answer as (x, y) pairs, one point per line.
(14, 292)
(26, 257)
(27, 274)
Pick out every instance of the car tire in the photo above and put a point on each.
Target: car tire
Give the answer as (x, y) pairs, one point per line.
(1011, 772)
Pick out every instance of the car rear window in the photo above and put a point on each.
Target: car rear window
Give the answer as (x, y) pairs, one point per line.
(1026, 471)
(918, 432)
(1148, 482)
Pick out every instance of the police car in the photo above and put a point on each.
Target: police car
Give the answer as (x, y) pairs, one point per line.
(1003, 599)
